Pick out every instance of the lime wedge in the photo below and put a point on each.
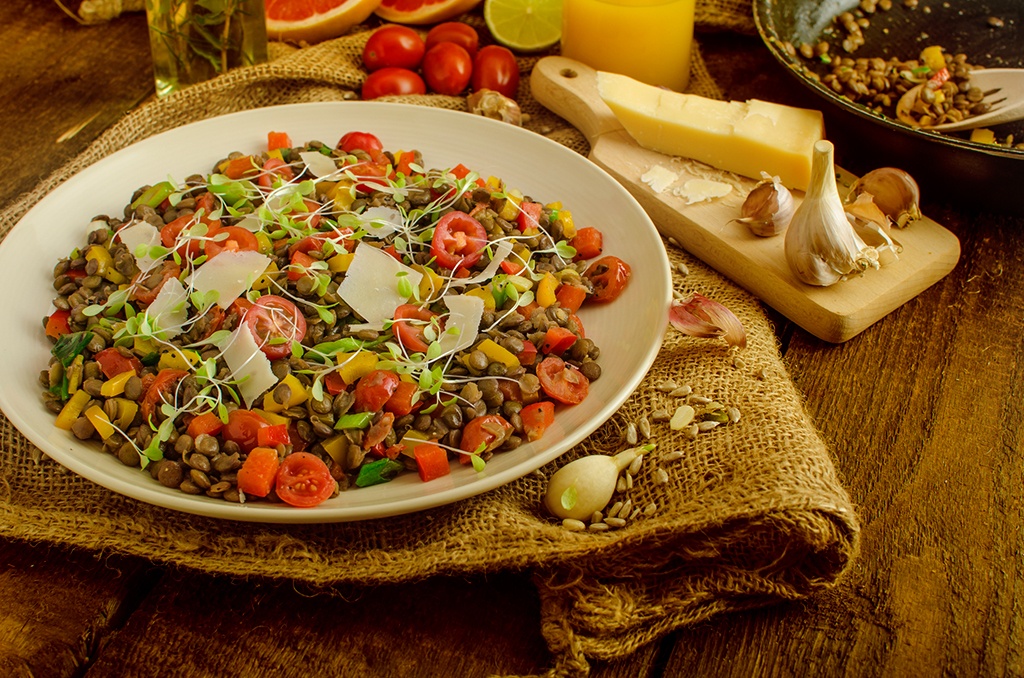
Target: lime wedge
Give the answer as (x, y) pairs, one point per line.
(524, 25)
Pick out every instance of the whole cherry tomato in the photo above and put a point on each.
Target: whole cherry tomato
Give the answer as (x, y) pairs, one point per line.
(364, 141)
(392, 80)
(447, 68)
(495, 68)
(393, 45)
(461, 34)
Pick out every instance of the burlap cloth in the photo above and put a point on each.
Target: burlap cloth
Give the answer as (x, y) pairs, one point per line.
(751, 514)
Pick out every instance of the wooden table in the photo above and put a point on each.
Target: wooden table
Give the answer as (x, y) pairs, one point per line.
(923, 411)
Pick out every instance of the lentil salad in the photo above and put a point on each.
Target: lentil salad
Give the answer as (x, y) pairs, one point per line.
(349, 393)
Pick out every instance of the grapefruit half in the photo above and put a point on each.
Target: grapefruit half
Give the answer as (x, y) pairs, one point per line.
(418, 12)
(315, 20)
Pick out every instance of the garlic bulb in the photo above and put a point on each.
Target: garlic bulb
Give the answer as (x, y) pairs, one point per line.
(821, 246)
(768, 208)
(893, 190)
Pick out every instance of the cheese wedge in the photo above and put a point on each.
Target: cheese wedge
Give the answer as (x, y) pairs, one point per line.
(742, 137)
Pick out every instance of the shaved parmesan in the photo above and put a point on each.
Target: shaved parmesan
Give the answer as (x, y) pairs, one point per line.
(318, 164)
(501, 252)
(250, 222)
(249, 366)
(699, 190)
(230, 274)
(140, 233)
(463, 322)
(659, 178)
(381, 221)
(169, 311)
(370, 287)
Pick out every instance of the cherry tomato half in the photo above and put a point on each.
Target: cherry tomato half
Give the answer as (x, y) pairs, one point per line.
(243, 428)
(562, 382)
(536, 419)
(588, 243)
(164, 384)
(459, 240)
(145, 286)
(361, 141)
(447, 68)
(274, 169)
(233, 239)
(410, 321)
(490, 430)
(461, 34)
(275, 323)
(112, 362)
(393, 45)
(495, 68)
(392, 80)
(303, 480)
(609, 276)
(183, 235)
(373, 390)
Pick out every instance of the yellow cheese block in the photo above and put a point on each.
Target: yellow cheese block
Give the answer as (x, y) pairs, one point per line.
(742, 137)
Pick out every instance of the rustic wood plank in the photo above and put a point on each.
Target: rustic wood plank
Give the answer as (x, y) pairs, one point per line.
(57, 606)
(100, 72)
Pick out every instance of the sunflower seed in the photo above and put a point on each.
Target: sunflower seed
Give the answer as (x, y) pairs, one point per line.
(667, 386)
(681, 419)
(625, 509)
(700, 400)
(673, 455)
(634, 466)
(681, 391)
(616, 507)
(644, 426)
(650, 509)
(598, 527)
(761, 374)
(615, 522)
(691, 431)
(631, 438)
(637, 512)
(706, 426)
(734, 414)
(620, 484)
(660, 415)
(682, 268)
(574, 525)
(738, 363)
(629, 480)
(660, 476)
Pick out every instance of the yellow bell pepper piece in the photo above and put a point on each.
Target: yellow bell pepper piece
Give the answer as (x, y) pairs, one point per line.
(498, 353)
(144, 346)
(115, 385)
(485, 294)
(510, 208)
(352, 366)
(267, 278)
(983, 135)
(431, 284)
(342, 195)
(567, 223)
(933, 59)
(273, 418)
(337, 447)
(339, 263)
(75, 373)
(126, 411)
(100, 422)
(266, 245)
(183, 359)
(72, 410)
(276, 153)
(546, 290)
(299, 395)
(101, 255)
(410, 440)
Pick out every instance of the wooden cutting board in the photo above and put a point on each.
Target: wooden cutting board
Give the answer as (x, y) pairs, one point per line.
(706, 230)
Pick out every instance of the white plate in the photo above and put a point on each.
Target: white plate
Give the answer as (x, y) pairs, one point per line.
(628, 331)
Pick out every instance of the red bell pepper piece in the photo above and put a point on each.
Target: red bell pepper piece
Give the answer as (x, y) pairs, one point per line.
(431, 461)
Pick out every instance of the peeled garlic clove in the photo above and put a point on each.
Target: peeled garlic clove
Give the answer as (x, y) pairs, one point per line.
(893, 190)
(768, 208)
(587, 484)
(821, 245)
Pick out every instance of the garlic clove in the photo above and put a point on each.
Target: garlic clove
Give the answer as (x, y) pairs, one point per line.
(873, 227)
(768, 208)
(821, 245)
(894, 191)
(699, 316)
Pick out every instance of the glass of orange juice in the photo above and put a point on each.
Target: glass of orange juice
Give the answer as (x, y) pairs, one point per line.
(648, 40)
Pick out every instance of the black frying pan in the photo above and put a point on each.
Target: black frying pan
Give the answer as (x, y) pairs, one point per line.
(965, 172)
